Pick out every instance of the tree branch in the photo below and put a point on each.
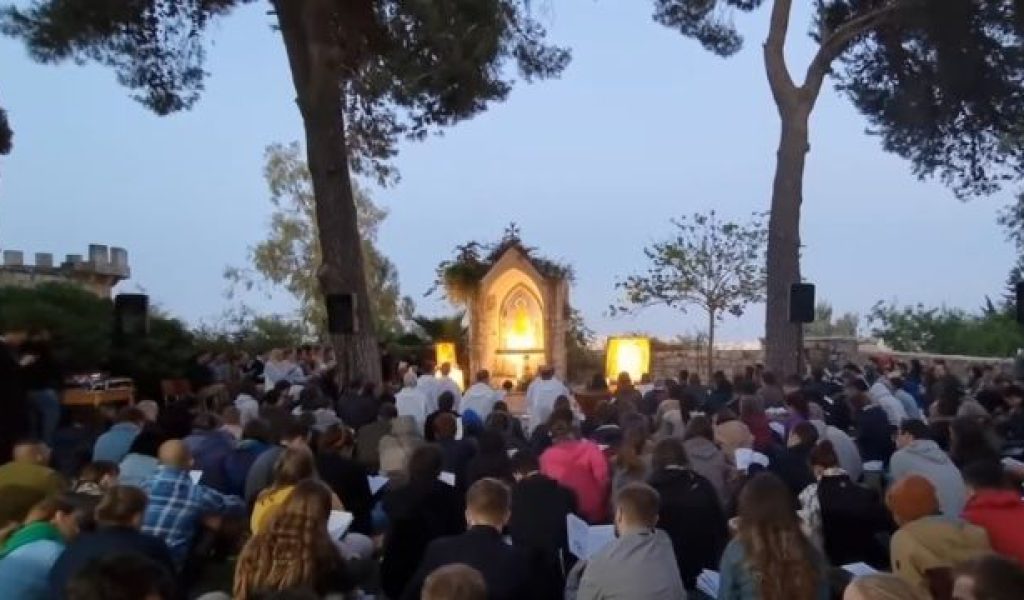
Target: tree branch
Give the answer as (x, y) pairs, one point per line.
(779, 80)
(836, 42)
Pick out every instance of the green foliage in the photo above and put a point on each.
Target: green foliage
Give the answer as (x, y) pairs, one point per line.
(459, 276)
(6, 135)
(82, 325)
(247, 331)
(940, 81)
(443, 329)
(715, 264)
(405, 67)
(581, 360)
(290, 255)
(946, 330)
(825, 326)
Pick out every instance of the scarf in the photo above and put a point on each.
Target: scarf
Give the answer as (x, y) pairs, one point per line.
(33, 532)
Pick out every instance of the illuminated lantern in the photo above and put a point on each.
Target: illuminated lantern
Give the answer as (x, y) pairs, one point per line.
(628, 354)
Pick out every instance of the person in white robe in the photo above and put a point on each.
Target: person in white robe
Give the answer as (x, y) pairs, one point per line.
(481, 397)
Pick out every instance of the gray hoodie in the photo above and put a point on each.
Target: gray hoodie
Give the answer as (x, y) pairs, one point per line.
(709, 461)
(925, 458)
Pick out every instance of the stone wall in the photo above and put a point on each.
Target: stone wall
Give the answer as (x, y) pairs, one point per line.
(668, 359)
(99, 273)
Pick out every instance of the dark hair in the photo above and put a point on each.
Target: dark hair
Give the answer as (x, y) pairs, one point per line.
(446, 401)
(492, 443)
(699, 426)
(500, 406)
(629, 458)
(806, 432)
(259, 430)
(445, 426)
(669, 452)
(524, 462)
(120, 504)
(560, 423)
(562, 402)
(120, 577)
(148, 442)
(640, 503)
(335, 438)
(425, 464)
(798, 401)
(995, 577)
(295, 429)
(916, 429)
(294, 465)
(768, 378)
(457, 581)
(823, 454)
(985, 474)
(968, 442)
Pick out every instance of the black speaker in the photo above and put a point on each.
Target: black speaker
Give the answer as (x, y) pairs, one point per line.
(341, 314)
(131, 315)
(801, 303)
(1020, 302)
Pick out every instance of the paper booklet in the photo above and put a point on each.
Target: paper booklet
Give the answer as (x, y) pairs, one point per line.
(586, 540)
(707, 582)
(338, 524)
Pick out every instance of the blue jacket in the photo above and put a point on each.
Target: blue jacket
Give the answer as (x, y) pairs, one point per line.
(114, 445)
(24, 572)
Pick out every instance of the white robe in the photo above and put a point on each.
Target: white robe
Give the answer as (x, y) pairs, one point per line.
(411, 402)
(541, 396)
(428, 385)
(447, 384)
(480, 398)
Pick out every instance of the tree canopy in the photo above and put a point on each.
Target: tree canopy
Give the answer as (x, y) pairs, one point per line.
(944, 330)
(827, 324)
(290, 255)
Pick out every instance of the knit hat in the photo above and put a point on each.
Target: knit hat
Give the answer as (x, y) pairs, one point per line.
(912, 498)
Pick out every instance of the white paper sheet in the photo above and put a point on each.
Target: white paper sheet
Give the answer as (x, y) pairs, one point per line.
(859, 569)
(875, 466)
(586, 540)
(195, 476)
(338, 524)
(778, 428)
(447, 477)
(1013, 463)
(376, 483)
(708, 582)
(746, 457)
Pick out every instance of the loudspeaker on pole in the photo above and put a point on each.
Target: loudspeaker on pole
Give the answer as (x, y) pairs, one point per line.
(341, 314)
(801, 303)
(131, 315)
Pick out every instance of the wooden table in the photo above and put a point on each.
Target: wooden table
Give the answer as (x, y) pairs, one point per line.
(122, 394)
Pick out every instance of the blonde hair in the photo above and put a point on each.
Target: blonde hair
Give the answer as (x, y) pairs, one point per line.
(885, 586)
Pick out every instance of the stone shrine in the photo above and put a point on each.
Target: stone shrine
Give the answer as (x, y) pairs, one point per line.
(519, 316)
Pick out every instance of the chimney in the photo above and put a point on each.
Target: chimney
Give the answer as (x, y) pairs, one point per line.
(14, 258)
(44, 259)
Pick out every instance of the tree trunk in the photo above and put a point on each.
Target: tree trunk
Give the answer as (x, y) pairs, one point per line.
(783, 340)
(711, 345)
(307, 27)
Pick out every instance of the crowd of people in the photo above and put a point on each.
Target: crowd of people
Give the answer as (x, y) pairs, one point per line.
(872, 482)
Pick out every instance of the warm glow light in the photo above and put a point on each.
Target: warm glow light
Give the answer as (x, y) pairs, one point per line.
(444, 352)
(632, 355)
(521, 334)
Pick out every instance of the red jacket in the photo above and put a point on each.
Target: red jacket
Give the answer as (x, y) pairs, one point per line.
(580, 466)
(1001, 514)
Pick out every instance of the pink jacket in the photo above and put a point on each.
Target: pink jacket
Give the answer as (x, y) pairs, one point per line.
(580, 466)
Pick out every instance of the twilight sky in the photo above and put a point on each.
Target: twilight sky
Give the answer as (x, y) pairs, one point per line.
(645, 125)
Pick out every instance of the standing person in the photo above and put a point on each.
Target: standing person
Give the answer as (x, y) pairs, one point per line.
(13, 401)
(770, 558)
(29, 552)
(504, 568)
(26, 480)
(295, 550)
(919, 455)
(996, 507)
(177, 506)
(927, 540)
(429, 386)
(445, 383)
(721, 393)
(541, 395)
(412, 400)
(640, 564)
(578, 465)
(420, 511)
(118, 519)
(43, 380)
(539, 506)
(691, 511)
(480, 397)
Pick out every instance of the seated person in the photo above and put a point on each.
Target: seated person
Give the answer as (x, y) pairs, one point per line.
(455, 582)
(445, 405)
(114, 444)
(29, 552)
(118, 517)
(178, 508)
(481, 547)
(96, 478)
(121, 577)
(26, 480)
(640, 563)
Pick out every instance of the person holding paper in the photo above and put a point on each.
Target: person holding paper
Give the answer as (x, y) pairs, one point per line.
(295, 549)
(178, 507)
(346, 477)
(503, 567)
(770, 557)
(640, 564)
